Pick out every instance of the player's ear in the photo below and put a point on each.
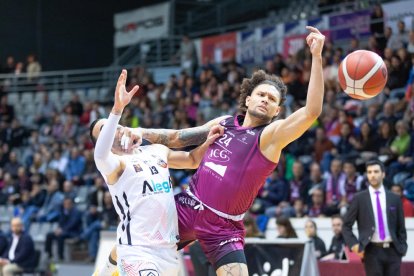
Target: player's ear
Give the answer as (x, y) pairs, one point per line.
(247, 100)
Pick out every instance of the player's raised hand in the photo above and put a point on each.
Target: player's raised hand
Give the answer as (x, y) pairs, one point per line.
(122, 96)
(315, 41)
(215, 132)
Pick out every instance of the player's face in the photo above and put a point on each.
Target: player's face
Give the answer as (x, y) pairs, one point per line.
(375, 176)
(116, 146)
(264, 102)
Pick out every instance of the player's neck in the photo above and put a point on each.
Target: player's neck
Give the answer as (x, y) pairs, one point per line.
(252, 121)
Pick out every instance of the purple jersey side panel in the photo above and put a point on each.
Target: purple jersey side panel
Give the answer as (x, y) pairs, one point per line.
(232, 170)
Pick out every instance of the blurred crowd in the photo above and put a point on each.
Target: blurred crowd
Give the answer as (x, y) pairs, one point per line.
(47, 166)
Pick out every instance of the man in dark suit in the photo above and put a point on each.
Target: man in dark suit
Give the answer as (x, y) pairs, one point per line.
(20, 251)
(381, 226)
(70, 226)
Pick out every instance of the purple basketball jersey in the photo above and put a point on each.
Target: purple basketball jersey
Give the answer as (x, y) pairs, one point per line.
(232, 170)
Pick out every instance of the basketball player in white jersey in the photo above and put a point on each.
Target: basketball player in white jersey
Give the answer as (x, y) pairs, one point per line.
(141, 188)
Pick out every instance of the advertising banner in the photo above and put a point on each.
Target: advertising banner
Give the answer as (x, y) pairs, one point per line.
(141, 24)
(219, 48)
(271, 41)
(292, 44)
(247, 46)
(346, 26)
(280, 257)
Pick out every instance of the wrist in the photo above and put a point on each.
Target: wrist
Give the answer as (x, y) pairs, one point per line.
(117, 111)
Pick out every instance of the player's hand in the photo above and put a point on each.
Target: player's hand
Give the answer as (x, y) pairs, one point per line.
(122, 96)
(355, 249)
(215, 132)
(130, 138)
(315, 41)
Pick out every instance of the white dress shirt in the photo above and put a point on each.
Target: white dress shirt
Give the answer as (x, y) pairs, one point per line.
(373, 195)
(13, 247)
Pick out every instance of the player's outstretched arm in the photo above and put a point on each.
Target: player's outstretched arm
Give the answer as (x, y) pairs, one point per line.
(174, 138)
(192, 159)
(108, 163)
(285, 131)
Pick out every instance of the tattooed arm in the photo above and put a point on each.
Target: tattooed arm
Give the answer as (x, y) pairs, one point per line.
(178, 138)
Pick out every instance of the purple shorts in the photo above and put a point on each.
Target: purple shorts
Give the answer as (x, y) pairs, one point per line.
(217, 236)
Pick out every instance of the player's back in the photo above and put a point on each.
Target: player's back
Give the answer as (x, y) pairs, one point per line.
(143, 199)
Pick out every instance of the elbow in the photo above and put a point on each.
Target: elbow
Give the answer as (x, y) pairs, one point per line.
(314, 113)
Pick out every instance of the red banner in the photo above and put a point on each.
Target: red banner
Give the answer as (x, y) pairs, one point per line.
(292, 44)
(219, 48)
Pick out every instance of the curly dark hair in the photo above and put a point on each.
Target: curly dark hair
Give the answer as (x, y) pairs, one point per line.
(260, 77)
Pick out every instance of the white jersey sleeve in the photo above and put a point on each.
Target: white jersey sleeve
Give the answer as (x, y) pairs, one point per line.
(105, 160)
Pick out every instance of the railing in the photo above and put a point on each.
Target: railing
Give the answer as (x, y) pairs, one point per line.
(62, 80)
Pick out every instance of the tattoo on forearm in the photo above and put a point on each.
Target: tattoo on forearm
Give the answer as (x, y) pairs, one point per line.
(196, 136)
(177, 138)
(234, 269)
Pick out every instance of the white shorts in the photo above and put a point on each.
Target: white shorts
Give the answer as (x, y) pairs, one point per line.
(144, 261)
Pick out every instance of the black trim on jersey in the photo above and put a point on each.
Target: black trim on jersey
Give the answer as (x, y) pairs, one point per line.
(126, 217)
(122, 211)
(128, 230)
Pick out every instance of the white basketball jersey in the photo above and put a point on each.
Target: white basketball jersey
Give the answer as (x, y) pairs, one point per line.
(144, 200)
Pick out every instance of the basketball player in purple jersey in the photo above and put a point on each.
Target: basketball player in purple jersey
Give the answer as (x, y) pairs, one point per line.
(236, 165)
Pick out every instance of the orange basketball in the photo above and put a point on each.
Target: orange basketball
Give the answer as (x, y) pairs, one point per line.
(362, 74)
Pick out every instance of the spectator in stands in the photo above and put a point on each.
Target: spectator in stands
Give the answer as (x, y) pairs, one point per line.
(8, 68)
(250, 225)
(285, 229)
(75, 166)
(373, 46)
(317, 206)
(322, 144)
(406, 204)
(12, 165)
(275, 190)
(364, 143)
(299, 208)
(6, 110)
(69, 191)
(10, 193)
(300, 184)
(353, 183)
(49, 212)
(334, 180)
(70, 226)
(188, 55)
(96, 196)
(97, 220)
(33, 68)
(19, 254)
(401, 142)
(311, 233)
(45, 110)
(410, 46)
(354, 45)
(385, 137)
(75, 106)
(399, 39)
(31, 202)
(316, 176)
(338, 242)
(405, 162)
(397, 78)
(377, 26)
(4, 243)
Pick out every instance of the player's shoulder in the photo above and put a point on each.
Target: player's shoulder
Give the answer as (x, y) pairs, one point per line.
(217, 120)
